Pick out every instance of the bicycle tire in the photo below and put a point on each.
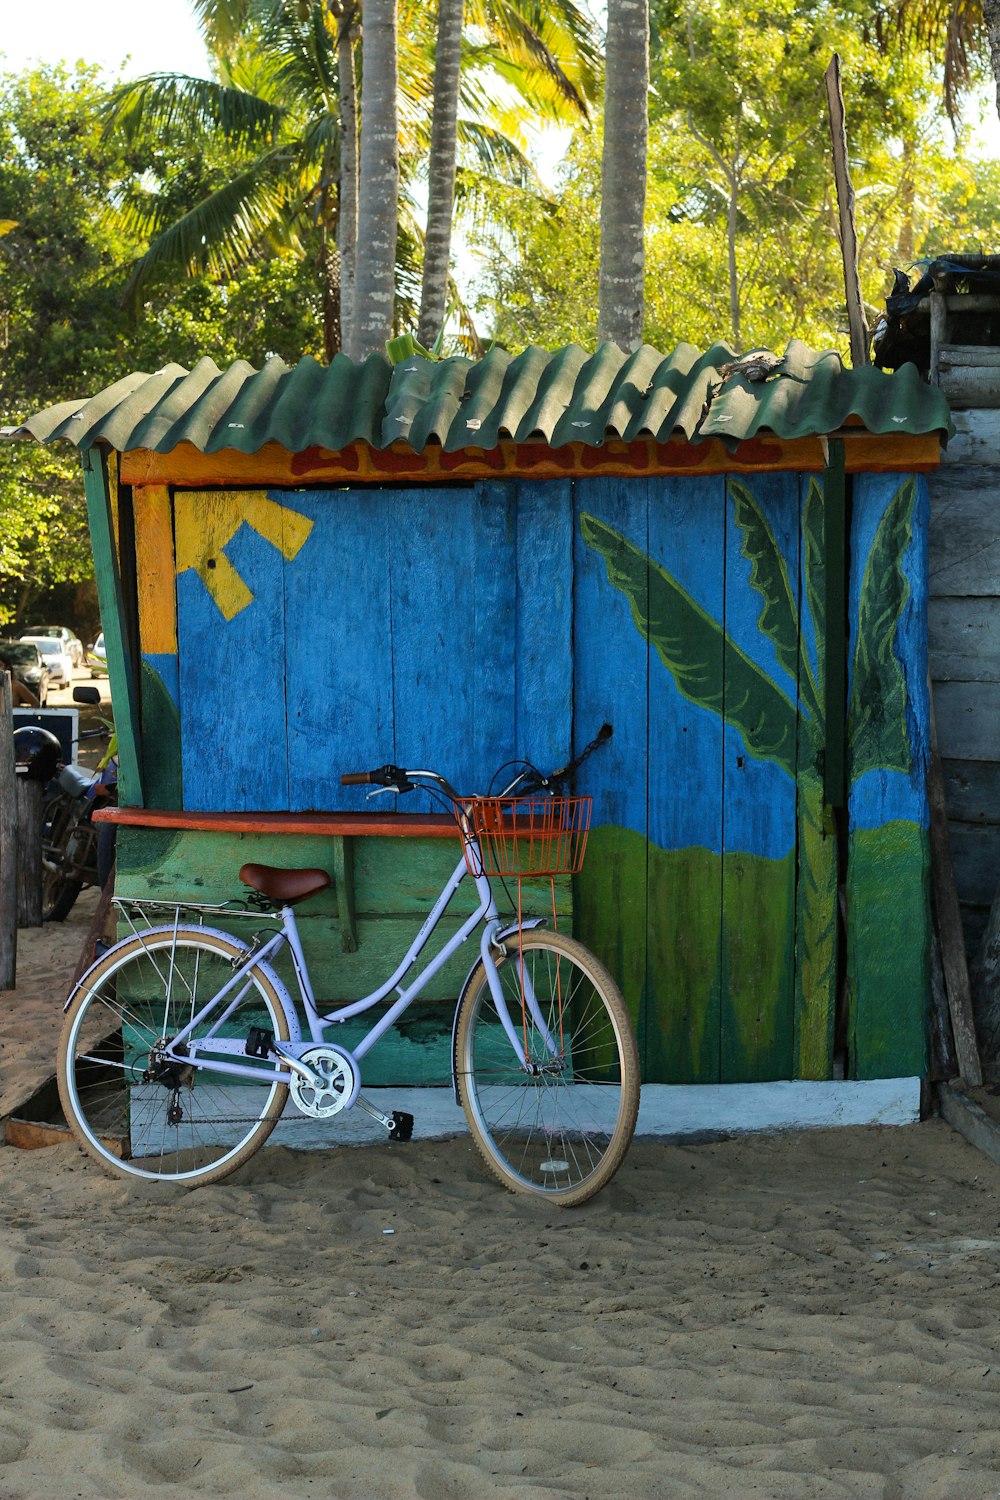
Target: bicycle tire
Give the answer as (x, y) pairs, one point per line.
(561, 1132)
(121, 1115)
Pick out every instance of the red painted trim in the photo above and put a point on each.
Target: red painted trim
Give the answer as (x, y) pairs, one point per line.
(354, 825)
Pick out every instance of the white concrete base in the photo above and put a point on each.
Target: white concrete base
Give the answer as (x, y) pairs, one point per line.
(664, 1110)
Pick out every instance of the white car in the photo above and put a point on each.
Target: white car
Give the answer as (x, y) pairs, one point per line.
(55, 657)
(97, 659)
(72, 644)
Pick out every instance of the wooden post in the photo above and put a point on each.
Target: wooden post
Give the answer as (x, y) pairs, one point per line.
(845, 203)
(29, 852)
(949, 922)
(8, 840)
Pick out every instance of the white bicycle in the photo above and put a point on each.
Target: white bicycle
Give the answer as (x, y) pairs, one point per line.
(182, 1044)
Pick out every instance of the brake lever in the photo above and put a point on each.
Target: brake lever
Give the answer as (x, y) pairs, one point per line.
(379, 791)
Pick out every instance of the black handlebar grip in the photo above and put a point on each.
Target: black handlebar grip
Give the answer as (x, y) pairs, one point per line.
(355, 778)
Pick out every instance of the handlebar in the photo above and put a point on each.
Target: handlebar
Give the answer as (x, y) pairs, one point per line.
(396, 778)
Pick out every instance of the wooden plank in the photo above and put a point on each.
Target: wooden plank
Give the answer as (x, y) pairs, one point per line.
(338, 648)
(122, 670)
(684, 870)
(487, 607)
(759, 790)
(964, 640)
(185, 467)
(834, 646)
(976, 439)
(31, 1135)
(159, 685)
(610, 676)
(446, 654)
(972, 790)
(975, 855)
(8, 838)
(350, 825)
(964, 544)
(230, 619)
(949, 926)
(28, 801)
(154, 566)
(980, 356)
(544, 624)
(820, 767)
(968, 720)
(970, 384)
(888, 913)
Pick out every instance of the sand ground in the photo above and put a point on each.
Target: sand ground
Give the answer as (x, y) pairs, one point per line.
(811, 1315)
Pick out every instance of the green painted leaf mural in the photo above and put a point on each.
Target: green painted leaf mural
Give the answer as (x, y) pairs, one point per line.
(877, 714)
(708, 668)
(815, 586)
(779, 617)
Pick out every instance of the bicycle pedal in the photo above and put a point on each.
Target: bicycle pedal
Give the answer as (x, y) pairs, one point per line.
(259, 1042)
(402, 1126)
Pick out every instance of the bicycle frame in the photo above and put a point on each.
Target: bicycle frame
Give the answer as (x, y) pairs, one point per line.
(210, 1050)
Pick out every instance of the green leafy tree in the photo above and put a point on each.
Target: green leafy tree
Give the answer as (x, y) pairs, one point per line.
(63, 329)
(741, 222)
(277, 104)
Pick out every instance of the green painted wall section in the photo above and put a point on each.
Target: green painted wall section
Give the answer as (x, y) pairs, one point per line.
(888, 942)
(701, 996)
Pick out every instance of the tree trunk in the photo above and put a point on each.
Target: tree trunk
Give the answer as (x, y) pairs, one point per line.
(8, 840)
(378, 186)
(991, 16)
(441, 172)
(332, 330)
(623, 175)
(734, 279)
(347, 224)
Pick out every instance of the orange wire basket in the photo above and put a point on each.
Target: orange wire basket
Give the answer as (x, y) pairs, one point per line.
(529, 836)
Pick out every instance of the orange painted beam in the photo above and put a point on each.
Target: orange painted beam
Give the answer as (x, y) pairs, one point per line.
(353, 825)
(186, 467)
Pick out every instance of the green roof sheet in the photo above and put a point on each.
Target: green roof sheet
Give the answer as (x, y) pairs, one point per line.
(553, 396)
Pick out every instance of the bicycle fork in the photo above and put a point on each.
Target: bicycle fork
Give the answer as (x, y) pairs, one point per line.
(495, 937)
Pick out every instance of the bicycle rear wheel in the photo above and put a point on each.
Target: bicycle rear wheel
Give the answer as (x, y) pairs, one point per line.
(140, 1117)
(559, 1127)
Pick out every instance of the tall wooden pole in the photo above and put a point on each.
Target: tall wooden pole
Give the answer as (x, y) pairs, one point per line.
(8, 839)
(845, 203)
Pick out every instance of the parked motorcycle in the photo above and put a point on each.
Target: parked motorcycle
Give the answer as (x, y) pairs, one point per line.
(73, 855)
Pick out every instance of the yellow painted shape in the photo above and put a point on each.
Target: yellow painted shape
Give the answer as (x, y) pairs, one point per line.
(154, 566)
(207, 521)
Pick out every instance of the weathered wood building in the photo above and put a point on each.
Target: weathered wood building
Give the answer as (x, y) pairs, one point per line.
(308, 570)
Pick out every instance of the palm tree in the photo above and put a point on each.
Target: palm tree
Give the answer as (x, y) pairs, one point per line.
(441, 171)
(549, 54)
(955, 30)
(282, 106)
(623, 174)
(378, 181)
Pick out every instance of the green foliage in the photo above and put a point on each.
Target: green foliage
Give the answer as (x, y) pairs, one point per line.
(63, 326)
(741, 239)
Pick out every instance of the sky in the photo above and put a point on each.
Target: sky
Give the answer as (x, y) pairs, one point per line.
(151, 35)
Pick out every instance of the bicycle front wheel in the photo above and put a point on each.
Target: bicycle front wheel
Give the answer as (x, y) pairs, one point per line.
(557, 1119)
(141, 1116)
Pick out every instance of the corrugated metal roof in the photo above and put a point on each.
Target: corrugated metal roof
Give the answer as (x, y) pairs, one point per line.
(558, 397)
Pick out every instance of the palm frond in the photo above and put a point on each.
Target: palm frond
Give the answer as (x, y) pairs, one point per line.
(222, 231)
(162, 104)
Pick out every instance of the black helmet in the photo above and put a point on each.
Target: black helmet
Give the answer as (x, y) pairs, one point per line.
(37, 749)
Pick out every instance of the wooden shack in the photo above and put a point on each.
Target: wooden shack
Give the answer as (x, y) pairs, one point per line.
(457, 564)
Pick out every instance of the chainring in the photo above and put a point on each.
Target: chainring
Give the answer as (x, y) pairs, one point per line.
(338, 1088)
